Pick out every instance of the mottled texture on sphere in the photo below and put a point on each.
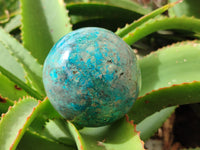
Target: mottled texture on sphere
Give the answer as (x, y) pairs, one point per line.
(91, 77)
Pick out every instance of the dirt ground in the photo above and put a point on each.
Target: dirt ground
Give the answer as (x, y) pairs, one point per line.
(181, 130)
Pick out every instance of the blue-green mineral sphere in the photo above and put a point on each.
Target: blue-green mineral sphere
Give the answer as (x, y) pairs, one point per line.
(91, 77)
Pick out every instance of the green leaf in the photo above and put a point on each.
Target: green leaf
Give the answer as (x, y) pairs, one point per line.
(150, 125)
(197, 148)
(49, 111)
(170, 65)
(9, 89)
(8, 62)
(44, 22)
(46, 114)
(34, 141)
(9, 92)
(163, 73)
(186, 93)
(5, 103)
(20, 84)
(118, 136)
(8, 9)
(162, 23)
(104, 13)
(56, 129)
(14, 23)
(100, 7)
(32, 68)
(187, 7)
(124, 31)
(52, 130)
(14, 123)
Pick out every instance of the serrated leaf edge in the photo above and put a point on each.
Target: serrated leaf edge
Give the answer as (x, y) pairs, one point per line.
(24, 66)
(163, 88)
(6, 99)
(193, 43)
(7, 47)
(77, 139)
(144, 19)
(20, 132)
(26, 124)
(21, 33)
(131, 34)
(68, 17)
(134, 127)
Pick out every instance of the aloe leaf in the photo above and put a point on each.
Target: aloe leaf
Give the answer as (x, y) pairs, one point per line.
(33, 141)
(197, 148)
(47, 114)
(150, 125)
(56, 129)
(32, 68)
(124, 31)
(14, 23)
(170, 65)
(49, 111)
(104, 13)
(124, 10)
(8, 62)
(120, 135)
(10, 89)
(11, 6)
(185, 9)
(77, 137)
(14, 123)
(9, 92)
(5, 103)
(100, 7)
(20, 84)
(162, 23)
(186, 93)
(44, 22)
(163, 73)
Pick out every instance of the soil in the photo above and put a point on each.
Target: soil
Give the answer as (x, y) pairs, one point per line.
(186, 128)
(181, 130)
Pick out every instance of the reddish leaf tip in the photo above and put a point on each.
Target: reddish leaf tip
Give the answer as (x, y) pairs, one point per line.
(81, 146)
(100, 143)
(179, 1)
(45, 98)
(131, 34)
(9, 108)
(184, 83)
(2, 100)
(127, 119)
(2, 115)
(11, 147)
(138, 133)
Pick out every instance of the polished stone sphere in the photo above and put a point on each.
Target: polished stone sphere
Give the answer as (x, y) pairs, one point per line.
(91, 77)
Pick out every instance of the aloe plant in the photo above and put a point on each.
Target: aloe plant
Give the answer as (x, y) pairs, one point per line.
(170, 75)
